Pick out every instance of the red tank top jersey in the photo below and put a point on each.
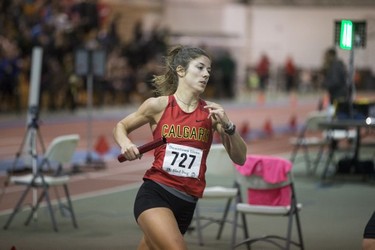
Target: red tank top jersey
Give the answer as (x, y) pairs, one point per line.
(181, 163)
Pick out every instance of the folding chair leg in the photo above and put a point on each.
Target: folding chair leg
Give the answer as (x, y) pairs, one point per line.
(294, 153)
(289, 233)
(294, 212)
(307, 159)
(235, 225)
(17, 208)
(49, 206)
(224, 218)
(328, 162)
(332, 149)
(70, 206)
(299, 230)
(318, 158)
(54, 224)
(244, 225)
(199, 231)
(234, 231)
(34, 208)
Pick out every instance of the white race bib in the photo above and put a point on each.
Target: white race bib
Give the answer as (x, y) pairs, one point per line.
(182, 160)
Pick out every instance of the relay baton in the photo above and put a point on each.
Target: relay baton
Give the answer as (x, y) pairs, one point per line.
(146, 147)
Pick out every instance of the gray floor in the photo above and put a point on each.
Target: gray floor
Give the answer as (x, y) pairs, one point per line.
(333, 217)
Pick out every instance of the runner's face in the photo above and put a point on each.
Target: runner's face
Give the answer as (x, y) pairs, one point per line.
(198, 73)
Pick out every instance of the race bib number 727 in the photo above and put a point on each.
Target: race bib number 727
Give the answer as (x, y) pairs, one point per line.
(182, 160)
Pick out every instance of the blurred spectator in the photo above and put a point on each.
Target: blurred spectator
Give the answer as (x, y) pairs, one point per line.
(108, 37)
(61, 27)
(227, 66)
(306, 81)
(86, 13)
(334, 77)
(9, 76)
(290, 74)
(135, 49)
(251, 79)
(263, 71)
(52, 84)
(145, 86)
(120, 79)
(74, 83)
(156, 43)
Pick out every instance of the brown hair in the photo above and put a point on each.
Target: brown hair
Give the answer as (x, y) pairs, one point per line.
(166, 84)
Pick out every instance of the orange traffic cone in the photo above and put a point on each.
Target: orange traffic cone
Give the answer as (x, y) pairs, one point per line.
(245, 130)
(293, 123)
(293, 99)
(326, 102)
(102, 146)
(261, 98)
(320, 104)
(268, 128)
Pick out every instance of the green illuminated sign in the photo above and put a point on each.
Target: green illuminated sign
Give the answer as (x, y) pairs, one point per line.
(346, 35)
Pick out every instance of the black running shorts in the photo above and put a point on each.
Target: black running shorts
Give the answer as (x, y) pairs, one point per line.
(369, 232)
(152, 195)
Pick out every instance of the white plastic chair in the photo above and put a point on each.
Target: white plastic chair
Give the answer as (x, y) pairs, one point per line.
(289, 207)
(312, 136)
(60, 151)
(218, 165)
